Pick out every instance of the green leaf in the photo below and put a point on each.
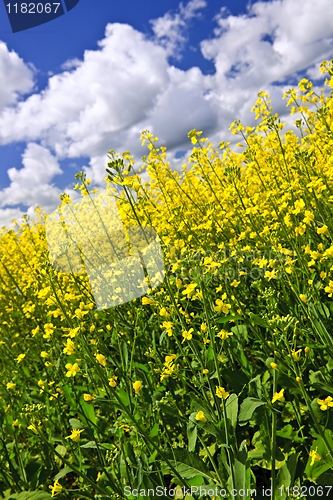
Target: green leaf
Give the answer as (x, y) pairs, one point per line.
(209, 427)
(154, 431)
(191, 434)
(241, 332)
(123, 397)
(63, 472)
(242, 469)
(166, 409)
(326, 462)
(125, 353)
(231, 405)
(318, 382)
(288, 432)
(196, 481)
(129, 452)
(75, 424)
(236, 379)
(89, 412)
(61, 450)
(28, 495)
(163, 334)
(286, 476)
(255, 387)
(90, 444)
(141, 366)
(283, 481)
(257, 320)
(68, 393)
(243, 358)
(248, 406)
(187, 464)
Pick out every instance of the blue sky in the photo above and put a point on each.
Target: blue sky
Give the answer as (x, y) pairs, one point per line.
(94, 78)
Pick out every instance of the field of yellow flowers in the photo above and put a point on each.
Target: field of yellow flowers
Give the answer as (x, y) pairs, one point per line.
(218, 382)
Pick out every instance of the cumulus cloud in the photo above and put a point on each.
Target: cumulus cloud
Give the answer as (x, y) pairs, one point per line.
(9, 214)
(30, 185)
(105, 100)
(16, 77)
(113, 88)
(170, 29)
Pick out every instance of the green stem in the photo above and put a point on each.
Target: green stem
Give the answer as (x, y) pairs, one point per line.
(273, 438)
(230, 449)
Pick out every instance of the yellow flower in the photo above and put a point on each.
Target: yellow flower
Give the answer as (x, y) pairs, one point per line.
(168, 326)
(49, 329)
(148, 300)
(298, 379)
(190, 289)
(112, 381)
(75, 436)
(205, 371)
(296, 354)
(10, 385)
(204, 327)
(221, 393)
(20, 357)
(70, 347)
(187, 334)
(170, 358)
(35, 331)
(201, 417)
(73, 332)
(137, 386)
(322, 230)
(44, 354)
(101, 359)
(278, 396)
(223, 334)
(274, 366)
(72, 369)
(33, 428)
(303, 298)
(87, 397)
(56, 488)
(325, 403)
(164, 312)
(315, 457)
(221, 306)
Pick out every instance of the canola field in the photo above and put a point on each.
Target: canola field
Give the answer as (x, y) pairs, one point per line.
(217, 381)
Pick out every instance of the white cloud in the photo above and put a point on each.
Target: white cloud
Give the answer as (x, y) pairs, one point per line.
(16, 77)
(114, 88)
(30, 185)
(127, 85)
(9, 214)
(169, 29)
(313, 73)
